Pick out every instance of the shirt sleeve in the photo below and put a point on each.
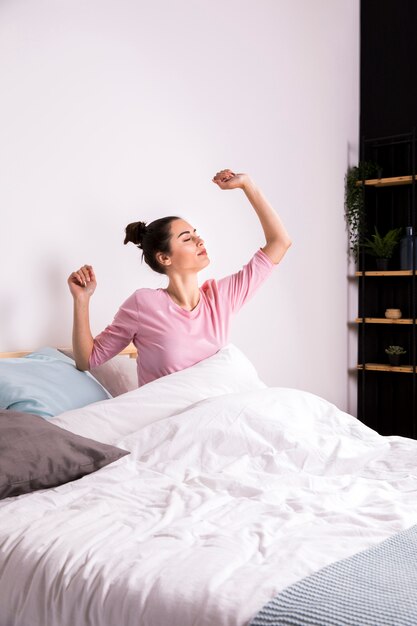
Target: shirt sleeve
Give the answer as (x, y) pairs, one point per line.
(117, 335)
(238, 288)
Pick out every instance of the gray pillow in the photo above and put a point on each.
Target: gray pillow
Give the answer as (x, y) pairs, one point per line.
(36, 454)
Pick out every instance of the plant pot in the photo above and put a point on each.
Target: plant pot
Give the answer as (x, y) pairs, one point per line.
(381, 264)
(394, 359)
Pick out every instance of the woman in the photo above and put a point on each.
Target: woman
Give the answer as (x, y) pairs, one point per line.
(176, 327)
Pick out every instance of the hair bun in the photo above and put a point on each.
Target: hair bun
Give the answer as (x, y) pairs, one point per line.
(135, 233)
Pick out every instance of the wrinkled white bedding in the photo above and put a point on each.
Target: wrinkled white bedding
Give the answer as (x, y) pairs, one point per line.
(217, 509)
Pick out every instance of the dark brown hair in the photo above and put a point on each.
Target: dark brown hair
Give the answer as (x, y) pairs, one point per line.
(151, 239)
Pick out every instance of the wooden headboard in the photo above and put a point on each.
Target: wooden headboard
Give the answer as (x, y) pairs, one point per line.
(130, 351)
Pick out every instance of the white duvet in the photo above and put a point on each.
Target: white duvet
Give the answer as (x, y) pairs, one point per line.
(232, 491)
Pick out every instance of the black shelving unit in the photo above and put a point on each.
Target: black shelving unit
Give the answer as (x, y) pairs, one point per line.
(387, 395)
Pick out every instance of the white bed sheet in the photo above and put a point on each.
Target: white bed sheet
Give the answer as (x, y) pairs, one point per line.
(216, 510)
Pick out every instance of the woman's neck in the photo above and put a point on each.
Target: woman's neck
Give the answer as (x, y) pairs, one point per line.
(184, 291)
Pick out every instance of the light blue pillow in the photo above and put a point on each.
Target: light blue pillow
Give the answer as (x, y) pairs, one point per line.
(46, 383)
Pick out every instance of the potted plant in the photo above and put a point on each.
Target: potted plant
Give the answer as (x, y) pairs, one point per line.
(394, 354)
(354, 203)
(382, 247)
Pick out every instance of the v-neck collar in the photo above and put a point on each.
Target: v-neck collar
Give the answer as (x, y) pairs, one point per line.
(179, 308)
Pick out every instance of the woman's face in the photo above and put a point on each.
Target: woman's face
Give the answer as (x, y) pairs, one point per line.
(188, 253)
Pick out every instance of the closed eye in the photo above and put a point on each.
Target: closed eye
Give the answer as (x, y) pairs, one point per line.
(186, 232)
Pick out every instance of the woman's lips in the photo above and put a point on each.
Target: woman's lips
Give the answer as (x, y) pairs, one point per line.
(202, 252)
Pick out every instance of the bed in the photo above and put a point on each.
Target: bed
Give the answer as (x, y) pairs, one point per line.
(226, 493)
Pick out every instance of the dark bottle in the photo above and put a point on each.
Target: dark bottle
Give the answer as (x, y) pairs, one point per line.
(408, 248)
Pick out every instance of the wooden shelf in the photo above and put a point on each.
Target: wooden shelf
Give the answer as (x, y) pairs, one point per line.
(387, 273)
(388, 182)
(383, 320)
(382, 367)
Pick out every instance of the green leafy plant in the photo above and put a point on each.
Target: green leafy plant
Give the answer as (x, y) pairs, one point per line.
(395, 350)
(380, 246)
(354, 203)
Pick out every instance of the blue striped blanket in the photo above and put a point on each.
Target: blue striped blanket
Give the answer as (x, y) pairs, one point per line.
(376, 587)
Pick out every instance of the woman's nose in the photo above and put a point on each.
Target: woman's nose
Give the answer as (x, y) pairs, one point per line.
(200, 241)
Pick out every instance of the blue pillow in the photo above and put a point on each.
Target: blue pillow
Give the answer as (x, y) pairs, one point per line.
(46, 383)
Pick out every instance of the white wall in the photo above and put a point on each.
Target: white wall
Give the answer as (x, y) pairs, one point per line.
(113, 111)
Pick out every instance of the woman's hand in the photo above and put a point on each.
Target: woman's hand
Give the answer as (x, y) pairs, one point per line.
(82, 283)
(226, 179)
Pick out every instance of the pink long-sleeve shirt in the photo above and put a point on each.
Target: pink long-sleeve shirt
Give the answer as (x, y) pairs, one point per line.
(169, 338)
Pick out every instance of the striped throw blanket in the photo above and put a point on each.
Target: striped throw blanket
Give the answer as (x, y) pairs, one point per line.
(376, 587)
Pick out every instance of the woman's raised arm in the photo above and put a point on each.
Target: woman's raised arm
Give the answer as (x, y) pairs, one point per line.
(277, 238)
(82, 285)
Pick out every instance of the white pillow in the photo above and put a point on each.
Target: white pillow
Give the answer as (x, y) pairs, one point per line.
(119, 375)
(227, 371)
